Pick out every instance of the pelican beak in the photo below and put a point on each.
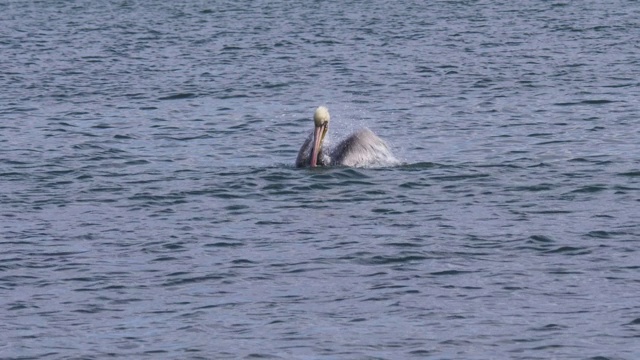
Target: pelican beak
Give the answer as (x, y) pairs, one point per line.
(318, 137)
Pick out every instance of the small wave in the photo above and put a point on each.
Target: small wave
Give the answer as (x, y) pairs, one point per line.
(586, 102)
(178, 96)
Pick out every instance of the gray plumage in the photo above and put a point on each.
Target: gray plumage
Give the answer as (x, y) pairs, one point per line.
(363, 148)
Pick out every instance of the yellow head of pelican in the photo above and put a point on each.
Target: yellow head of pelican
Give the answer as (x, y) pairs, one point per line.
(321, 120)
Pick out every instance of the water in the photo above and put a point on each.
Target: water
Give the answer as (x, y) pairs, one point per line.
(150, 207)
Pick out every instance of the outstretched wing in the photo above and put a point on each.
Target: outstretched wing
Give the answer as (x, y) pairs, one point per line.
(362, 148)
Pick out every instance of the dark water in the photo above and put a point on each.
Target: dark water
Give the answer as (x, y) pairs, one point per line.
(150, 208)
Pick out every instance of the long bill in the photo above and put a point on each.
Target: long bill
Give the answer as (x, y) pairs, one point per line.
(318, 136)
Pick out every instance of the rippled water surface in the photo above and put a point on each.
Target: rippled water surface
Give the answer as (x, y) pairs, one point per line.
(149, 206)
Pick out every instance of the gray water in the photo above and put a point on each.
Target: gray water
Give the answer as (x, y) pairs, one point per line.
(150, 207)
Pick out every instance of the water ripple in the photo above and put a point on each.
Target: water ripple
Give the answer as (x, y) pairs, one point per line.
(149, 206)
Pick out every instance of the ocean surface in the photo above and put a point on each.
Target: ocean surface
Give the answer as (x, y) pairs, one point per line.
(150, 207)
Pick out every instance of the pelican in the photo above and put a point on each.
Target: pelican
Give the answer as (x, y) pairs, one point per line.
(362, 148)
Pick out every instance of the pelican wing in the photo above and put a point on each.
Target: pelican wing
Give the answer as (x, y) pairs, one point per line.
(362, 148)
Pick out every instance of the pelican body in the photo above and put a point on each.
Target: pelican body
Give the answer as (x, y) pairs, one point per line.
(361, 149)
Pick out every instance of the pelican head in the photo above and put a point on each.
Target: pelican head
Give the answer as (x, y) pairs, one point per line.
(321, 120)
